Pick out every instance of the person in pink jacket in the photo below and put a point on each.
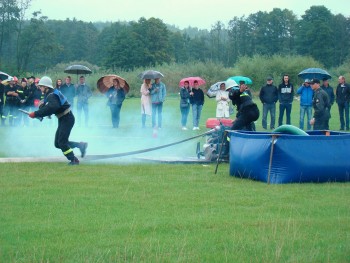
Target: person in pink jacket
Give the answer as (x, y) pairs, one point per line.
(146, 103)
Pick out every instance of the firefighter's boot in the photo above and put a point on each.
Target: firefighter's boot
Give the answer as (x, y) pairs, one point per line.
(74, 161)
(82, 147)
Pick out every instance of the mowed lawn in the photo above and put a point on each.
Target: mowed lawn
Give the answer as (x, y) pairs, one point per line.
(128, 211)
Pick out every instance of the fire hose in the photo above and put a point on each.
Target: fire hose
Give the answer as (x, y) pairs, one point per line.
(107, 156)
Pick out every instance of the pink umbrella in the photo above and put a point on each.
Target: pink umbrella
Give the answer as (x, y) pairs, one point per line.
(191, 80)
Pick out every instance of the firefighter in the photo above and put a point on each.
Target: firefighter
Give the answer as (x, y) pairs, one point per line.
(23, 93)
(56, 103)
(11, 103)
(247, 110)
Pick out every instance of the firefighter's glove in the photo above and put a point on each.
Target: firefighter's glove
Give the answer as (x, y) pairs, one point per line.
(32, 114)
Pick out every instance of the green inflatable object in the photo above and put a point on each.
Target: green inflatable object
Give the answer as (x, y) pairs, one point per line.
(290, 129)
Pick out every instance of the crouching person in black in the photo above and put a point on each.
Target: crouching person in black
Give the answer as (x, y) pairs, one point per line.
(56, 103)
(247, 110)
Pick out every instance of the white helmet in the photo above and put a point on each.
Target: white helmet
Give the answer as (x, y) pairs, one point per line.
(45, 81)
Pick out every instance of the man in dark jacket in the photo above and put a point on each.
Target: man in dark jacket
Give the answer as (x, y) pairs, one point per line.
(247, 110)
(285, 97)
(56, 103)
(320, 104)
(343, 97)
(197, 102)
(269, 96)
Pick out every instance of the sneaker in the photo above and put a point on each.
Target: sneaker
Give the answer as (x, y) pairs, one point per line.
(184, 128)
(82, 147)
(75, 161)
(197, 128)
(194, 128)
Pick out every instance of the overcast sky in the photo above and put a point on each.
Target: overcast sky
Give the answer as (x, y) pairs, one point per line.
(181, 13)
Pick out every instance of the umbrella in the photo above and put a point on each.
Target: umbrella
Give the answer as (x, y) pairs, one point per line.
(314, 73)
(241, 78)
(150, 74)
(214, 89)
(230, 83)
(105, 82)
(6, 81)
(77, 69)
(4, 76)
(191, 80)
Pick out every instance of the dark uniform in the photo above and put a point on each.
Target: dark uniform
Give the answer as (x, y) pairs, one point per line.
(56, 103)
(11, 104)
(32, 89)
(321, 105)
(23, 93)
(330, 92)
(247, 110)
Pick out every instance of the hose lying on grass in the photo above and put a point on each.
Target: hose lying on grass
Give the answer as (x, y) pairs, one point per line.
(114, 155)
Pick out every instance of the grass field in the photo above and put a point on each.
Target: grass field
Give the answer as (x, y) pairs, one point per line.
(128, 211)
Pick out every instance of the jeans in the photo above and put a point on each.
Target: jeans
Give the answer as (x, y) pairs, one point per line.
(284, 107)
(344, 107)
(157, 108)
(196, 114)
(308, 111)
(115, 112)
(85, 107)
(269, 107)
(184, 114)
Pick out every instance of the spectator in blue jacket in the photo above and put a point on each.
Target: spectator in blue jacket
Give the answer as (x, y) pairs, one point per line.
(158, 93)
(306, 94)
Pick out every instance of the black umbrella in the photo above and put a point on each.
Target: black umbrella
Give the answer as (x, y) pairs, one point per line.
(77, 69)
(312, 73)
(150, 74)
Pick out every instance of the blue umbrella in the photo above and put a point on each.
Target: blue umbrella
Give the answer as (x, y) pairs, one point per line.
(314, 73)
(241, 78)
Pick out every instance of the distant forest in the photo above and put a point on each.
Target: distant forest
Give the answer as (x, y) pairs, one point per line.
(39, 44)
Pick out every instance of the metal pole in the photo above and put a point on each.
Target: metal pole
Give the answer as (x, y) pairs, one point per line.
(221, 146)
(271, 155)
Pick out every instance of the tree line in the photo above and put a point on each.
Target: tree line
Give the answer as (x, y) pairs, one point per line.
(38, 44)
